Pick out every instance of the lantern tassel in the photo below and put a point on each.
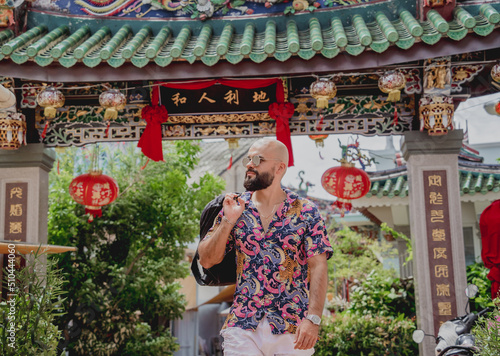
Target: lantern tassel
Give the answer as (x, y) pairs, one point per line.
(106, 133)
(110, 114)
(44, 133)
(50, 112)
(322, 102)
(144, 167)
(93, 213)
(230, 163)
(395, 122)
(343, 204)
(394, 95)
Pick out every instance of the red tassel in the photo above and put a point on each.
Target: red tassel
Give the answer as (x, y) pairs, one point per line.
(44, 133)
(395, 122)
(93, 213)
(319, 126)
(143, 167)
(343, 206)
(230, 163)
(58, 171)
(107, 130)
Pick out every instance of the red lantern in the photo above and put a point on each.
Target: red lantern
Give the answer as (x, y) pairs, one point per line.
(93, 190)
(346, 183)
(497, 108)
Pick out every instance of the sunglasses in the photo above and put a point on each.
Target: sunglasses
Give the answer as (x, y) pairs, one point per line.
(256, 160)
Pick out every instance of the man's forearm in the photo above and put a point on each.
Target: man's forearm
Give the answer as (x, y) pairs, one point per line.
(211, 250)
(318, 284)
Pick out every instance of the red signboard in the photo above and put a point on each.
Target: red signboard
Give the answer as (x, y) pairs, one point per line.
(439, 247)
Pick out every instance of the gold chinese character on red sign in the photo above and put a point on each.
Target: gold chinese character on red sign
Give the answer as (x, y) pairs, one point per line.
(441, 271)
(16, 192)
(436, 198)
(435, 180)
(438, 235)
(444, 308)
(440, 252)
(437, 216)
(16, 227)
(16, 210)
(443, 290)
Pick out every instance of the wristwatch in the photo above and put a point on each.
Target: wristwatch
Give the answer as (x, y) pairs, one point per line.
(316, 320)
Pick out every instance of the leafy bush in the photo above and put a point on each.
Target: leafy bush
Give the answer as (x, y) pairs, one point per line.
(387, 296)
(354, 257)
(32, 310)
(370, 335)
(487, 333)
(143, 342)
(476, 274)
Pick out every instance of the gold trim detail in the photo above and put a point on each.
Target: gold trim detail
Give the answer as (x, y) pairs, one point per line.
(217, 118)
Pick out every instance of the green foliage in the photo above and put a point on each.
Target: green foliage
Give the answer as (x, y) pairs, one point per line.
(354, 256)
(379, 319)
(380, 295)
(477, 274)
(143, 342)
(397, 235)
(32, 310)
(124, 275)
(369, 335)
(487, 333)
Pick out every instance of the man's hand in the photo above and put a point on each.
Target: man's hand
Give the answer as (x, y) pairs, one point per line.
(233, 207)
(306, 336)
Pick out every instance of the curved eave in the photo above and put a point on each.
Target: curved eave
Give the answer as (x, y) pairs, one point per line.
(228, 53)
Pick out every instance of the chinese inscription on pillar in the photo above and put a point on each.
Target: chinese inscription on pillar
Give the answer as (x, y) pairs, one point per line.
(16, 210)
(439, 247)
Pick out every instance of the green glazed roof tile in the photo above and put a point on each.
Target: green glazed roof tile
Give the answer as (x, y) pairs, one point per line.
(457, 32)
(279, 38)
(471, 183)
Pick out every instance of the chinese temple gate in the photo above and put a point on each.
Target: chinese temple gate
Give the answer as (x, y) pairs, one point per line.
(236, 69)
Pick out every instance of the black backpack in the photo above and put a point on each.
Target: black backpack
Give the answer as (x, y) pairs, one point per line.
(225, 272)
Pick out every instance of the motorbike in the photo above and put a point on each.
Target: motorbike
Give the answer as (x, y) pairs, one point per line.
(454, 336)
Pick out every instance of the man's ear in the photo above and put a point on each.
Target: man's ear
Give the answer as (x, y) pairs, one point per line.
(282, 168)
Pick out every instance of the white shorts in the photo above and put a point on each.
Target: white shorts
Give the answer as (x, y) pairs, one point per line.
(261, 342)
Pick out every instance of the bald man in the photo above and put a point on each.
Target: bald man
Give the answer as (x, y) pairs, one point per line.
(281, 250)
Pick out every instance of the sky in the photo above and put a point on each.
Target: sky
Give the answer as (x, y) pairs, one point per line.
(482, 127)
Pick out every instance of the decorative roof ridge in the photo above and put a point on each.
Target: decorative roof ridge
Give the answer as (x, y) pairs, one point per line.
(479, 167)
(387, 173)
(278, 38)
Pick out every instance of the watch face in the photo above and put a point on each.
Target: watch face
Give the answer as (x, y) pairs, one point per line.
(315, 319)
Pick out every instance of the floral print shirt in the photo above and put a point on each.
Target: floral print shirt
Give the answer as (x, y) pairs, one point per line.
(272, 269)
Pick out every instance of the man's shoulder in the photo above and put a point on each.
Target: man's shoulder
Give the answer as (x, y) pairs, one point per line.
(299, 205)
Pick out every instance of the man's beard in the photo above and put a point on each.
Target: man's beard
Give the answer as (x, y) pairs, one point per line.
(259, 182)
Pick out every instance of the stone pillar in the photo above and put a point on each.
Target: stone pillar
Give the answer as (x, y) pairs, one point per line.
(436, 229)
(24, 193)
